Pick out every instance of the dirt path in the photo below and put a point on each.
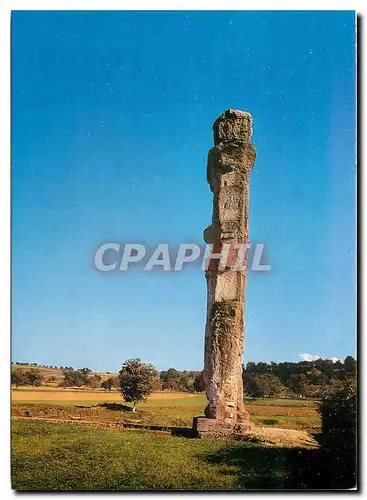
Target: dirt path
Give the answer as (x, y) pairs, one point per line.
(282, 437)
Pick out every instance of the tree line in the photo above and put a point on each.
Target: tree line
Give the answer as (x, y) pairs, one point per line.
(314, 379)
(82, 377)
(54, 367)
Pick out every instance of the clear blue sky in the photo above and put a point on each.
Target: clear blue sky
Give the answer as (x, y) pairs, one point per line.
(111, 125)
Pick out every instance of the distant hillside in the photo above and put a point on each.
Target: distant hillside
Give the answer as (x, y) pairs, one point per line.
(56, 371)
(33, 374)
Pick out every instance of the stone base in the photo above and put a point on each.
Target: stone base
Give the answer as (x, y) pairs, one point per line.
(204, 427)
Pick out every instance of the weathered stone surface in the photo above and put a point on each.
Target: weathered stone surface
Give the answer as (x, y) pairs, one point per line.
(232, 125)
(228, 173)
(212, 427)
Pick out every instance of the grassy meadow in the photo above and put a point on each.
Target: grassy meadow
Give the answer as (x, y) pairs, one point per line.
(48, 456)
(162, 408)
(60, 456)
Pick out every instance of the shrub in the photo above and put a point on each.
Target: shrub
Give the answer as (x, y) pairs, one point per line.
(339, 422)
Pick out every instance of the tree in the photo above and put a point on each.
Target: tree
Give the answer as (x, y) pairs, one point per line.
(262, 367)
(94, 381)
(109, 383)
(262, 384)
(84, 370)
(137, 380)
(350, 365)
(298, 383)
(251, 386)
(187, 381)
(106, 385)
(26, 377)
(251, 366)
(175, 380)
(35, 377)
(74, 378)
(171, 379)
(19, 377)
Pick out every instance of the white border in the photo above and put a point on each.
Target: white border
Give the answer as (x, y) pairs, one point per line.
(6, 7)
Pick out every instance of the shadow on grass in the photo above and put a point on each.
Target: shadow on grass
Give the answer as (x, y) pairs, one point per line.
(175, 431)
(270, 421)
(115, 407)
(108, 406)
(272, 468)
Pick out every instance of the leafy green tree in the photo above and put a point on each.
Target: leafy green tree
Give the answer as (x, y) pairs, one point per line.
(262, 384)
(106, 384)
(175, 380)
(110, 383)
(170, 379)
(137, 380)
(74, 378)
(187, 381)
(298, 384)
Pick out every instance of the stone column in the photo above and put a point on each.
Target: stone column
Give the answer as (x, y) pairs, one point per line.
(228, 173)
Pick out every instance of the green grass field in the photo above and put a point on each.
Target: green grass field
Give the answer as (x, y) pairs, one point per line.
(50, 456)
(165, 408)
(53, 456)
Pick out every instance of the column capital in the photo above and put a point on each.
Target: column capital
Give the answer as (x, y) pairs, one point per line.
(232, 126)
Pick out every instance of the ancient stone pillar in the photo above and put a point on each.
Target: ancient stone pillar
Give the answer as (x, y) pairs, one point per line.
(228, 173)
